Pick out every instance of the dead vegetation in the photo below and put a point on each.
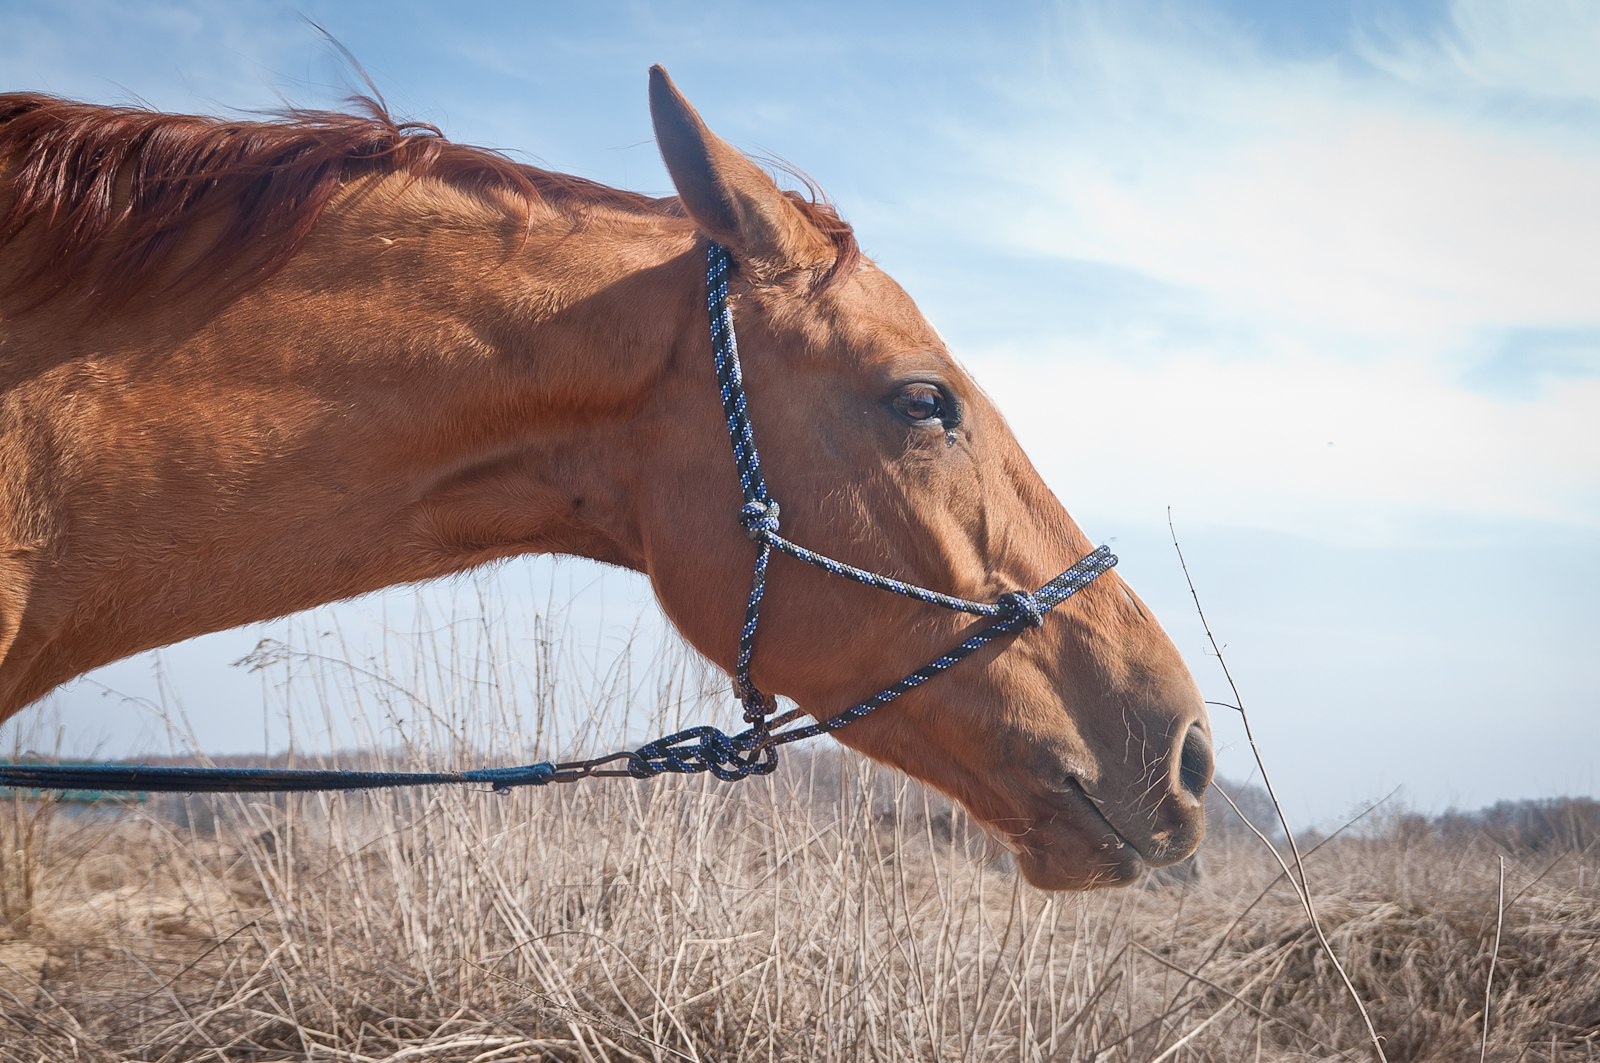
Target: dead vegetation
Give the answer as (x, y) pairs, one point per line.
(829, 914)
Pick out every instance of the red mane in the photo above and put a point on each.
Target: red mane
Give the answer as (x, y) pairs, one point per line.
(107, 193)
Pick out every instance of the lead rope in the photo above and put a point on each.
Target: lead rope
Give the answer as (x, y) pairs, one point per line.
(753, 751)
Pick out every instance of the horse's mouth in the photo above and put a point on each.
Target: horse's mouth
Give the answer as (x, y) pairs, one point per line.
(1072, 845)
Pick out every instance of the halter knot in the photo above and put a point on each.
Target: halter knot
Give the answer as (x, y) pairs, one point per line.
(1022, 606)
(697, 749)
(758, 704)
(760, 519)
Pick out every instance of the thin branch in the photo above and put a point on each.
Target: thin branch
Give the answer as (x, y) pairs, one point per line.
(1301, 886)
(1494, 955)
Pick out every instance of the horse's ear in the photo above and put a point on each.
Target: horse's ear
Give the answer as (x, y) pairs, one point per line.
(729, 197)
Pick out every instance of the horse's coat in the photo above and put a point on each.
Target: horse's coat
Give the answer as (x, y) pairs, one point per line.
(248, 368)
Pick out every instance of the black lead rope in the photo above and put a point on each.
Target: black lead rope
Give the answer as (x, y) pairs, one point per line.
(753, 751)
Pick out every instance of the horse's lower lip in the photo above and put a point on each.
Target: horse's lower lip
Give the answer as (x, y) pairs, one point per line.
(1073, 845)
(1081, 797)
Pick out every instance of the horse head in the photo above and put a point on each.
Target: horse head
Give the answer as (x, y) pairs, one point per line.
(1083, 744)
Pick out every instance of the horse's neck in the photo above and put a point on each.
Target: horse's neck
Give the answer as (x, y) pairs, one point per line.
(403, 401)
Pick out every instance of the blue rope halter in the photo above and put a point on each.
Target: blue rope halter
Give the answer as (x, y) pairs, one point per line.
(753, 751)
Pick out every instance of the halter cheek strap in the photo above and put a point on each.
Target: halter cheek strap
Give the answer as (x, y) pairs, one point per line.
(1012, 612)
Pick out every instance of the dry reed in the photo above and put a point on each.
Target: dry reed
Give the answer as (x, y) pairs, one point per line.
(832, 912)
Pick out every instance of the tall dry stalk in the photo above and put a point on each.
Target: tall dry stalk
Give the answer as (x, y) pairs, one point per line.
(1494, 956)
(1301, 885)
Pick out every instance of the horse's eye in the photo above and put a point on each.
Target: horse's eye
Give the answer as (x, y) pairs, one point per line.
(921, 403)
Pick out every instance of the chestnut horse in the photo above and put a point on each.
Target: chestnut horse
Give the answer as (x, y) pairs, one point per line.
(247, 368)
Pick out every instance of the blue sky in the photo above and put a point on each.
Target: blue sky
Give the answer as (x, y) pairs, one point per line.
(1321, 278)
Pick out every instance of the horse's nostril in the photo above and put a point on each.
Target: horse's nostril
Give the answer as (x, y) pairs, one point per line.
(1195, 763)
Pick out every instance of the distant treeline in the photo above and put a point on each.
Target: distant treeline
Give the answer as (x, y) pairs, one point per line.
(1547, 825)
(823, 774)
(1535, 825)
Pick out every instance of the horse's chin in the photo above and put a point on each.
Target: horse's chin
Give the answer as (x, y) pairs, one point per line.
(1077, 868)
(1071, 845)
(1075, 855)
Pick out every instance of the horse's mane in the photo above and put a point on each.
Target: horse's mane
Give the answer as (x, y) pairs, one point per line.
(107, 193)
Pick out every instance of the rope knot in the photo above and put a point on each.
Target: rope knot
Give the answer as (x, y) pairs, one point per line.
(728, 757)
(1022, 606)
(758, 705)
(760, 519)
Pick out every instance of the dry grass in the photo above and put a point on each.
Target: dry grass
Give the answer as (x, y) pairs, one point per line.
(832, 912)
(793, 919)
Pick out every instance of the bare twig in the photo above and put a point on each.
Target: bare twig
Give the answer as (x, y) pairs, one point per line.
(1301, 885)
(1192, 975)
(1233, 998)
(577, 1017)
(1494, 954)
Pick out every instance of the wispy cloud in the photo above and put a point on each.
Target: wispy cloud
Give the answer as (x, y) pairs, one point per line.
(1304, 189)
(174, 54)
(1540, 49)
(1353, 237)
(1301, 442)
